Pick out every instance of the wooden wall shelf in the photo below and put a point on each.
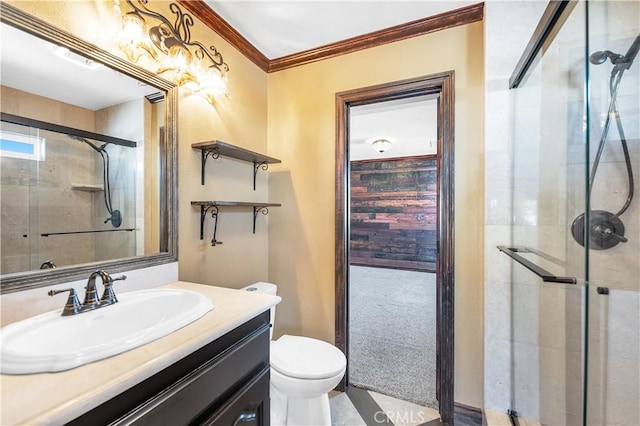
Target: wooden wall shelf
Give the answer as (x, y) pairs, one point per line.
(214, 208)
(215, 149)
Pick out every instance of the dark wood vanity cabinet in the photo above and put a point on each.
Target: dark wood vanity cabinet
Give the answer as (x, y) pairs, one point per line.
(224, 383)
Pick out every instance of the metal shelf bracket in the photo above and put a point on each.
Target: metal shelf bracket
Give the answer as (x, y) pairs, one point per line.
(262, 165)
(204, 154)
(214, 214)
(214, 206)
(215, 149)
(258, 209)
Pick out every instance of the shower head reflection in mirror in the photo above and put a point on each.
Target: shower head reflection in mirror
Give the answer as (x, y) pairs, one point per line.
(606, 230)
(115, 216)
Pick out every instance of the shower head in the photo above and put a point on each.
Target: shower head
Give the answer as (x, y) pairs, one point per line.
(98, 149)
(601, 57)
(621, 61)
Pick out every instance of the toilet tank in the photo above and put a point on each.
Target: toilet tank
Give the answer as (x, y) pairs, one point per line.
(265, 288)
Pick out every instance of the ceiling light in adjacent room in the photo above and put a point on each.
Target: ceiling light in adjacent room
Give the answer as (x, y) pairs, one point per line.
(381, 145)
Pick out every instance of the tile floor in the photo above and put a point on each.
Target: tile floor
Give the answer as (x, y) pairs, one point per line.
(391, 411)
(348, 410)
(496, 418)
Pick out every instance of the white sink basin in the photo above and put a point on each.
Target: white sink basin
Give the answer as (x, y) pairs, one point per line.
(50, 342)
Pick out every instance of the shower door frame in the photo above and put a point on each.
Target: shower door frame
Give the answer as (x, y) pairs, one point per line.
(441, 84)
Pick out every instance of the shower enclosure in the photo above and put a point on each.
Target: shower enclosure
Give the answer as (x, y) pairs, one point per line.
(575, 233)
(66, 199)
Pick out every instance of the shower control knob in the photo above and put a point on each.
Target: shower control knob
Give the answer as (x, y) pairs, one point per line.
(610, 232)
(604, 232)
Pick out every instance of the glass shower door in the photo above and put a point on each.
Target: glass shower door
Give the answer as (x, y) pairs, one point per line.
(575, 343)
(548, 310)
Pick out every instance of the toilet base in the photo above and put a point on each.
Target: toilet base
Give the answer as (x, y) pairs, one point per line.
(299, 411)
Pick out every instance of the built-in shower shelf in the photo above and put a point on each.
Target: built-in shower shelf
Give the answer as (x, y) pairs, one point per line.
(87, 187)
(213, 207)
(215, 149)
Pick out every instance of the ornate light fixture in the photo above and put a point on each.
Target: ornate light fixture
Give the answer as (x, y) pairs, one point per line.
(170, 49)
(380, 145)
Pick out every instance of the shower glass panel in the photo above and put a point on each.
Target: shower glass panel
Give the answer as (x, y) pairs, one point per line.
(576, 224)
(548, 193)
(613, 386)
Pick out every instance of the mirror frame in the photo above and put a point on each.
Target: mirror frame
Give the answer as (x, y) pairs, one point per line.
(20, 281)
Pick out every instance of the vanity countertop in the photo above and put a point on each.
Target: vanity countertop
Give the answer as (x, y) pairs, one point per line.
(56, 398)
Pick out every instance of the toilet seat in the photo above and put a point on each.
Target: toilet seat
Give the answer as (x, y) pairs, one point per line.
(306, 358)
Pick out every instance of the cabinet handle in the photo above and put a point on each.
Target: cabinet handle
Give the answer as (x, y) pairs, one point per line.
(246, 416)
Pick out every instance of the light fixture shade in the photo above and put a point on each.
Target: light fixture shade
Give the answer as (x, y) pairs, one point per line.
(174, 55)
(381, 145)
(133, 39)
(212, 83)
(178, 64)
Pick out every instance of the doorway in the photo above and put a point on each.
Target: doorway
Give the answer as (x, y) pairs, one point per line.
(440, 88)
(392, 253)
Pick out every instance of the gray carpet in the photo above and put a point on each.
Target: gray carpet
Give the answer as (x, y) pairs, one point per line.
(392, 330)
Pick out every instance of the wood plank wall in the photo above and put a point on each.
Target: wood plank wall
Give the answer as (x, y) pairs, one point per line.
(394, 213)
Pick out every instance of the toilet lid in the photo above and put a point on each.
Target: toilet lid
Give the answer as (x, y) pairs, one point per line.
(306, 358)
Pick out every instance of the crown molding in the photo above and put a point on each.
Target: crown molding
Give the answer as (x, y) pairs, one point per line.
(462, 16)
(454, 18)
(211, 19)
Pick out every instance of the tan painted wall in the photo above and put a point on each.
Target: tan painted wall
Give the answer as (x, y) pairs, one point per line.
(241, 120)
(302, 134)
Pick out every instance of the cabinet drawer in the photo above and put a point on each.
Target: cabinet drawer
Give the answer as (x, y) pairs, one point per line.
(248, 407)
(206, 388)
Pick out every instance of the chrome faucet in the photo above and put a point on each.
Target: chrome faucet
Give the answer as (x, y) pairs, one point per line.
(48, 264)
(91, 301)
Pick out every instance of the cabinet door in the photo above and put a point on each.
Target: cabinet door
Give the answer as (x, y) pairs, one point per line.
(205, 388)
(247, 407)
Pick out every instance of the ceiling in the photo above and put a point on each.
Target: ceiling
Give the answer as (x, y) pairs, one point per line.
(29, 64)
(411, 124)
(281, 28)
(276, 28)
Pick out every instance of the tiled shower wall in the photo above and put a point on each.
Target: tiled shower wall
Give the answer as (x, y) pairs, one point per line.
(126, 121)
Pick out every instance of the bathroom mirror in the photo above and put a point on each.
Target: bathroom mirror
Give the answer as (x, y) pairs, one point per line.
(111, 152)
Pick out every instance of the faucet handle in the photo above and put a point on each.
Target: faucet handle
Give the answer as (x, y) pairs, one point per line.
(109, 296)
(72, 306)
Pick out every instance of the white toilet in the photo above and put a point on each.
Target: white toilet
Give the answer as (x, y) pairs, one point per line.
(303, 371)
